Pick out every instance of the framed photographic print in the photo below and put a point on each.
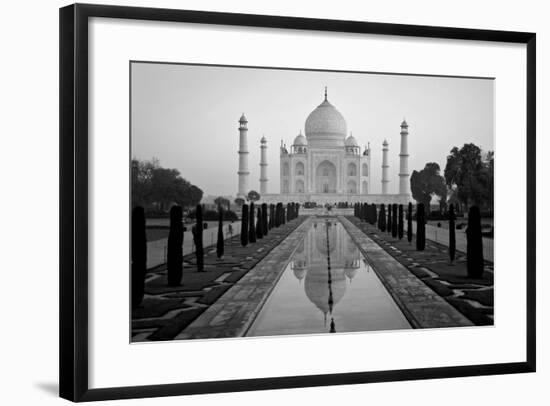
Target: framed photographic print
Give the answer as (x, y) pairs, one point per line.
(244, 195)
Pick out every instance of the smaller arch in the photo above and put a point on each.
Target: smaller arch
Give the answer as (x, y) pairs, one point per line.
(285, 186)
(352, 187)
(286, 169)
(299, 168)
(299, 187)
(365, 187)
(352, 169)
(365, 170)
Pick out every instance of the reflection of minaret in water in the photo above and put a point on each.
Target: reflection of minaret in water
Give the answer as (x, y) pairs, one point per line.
(299, 264)
(330, 296)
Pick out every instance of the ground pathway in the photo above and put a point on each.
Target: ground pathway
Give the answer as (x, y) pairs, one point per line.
(474, 298)
(156, 249)
(166, 311)
(440, 235)
(235, 311)
(224, 300)
(422, 307)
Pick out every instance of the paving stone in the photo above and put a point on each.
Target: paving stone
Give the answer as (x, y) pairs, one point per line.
(420, 304)
(236, 309)
(201, 290)
(433, 264)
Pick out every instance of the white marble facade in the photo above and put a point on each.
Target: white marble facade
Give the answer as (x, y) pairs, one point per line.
(324, 161)
(327, 165)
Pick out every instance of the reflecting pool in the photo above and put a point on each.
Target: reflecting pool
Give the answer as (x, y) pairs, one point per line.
(328, 286)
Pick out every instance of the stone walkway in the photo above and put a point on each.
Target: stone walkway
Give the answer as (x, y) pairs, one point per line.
(156, 250)
(440, 235)
(166, 311)
(421, 305)
(235, 311)
(474, 298)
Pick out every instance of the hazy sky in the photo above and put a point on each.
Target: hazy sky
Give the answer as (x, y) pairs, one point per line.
(187, 117)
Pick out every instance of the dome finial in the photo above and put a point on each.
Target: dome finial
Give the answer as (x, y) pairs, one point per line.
(325, 93)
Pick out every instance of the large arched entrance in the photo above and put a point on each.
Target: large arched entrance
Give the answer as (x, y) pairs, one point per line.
(325, 178)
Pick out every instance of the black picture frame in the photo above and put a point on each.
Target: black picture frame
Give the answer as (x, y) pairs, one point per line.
(73, 77)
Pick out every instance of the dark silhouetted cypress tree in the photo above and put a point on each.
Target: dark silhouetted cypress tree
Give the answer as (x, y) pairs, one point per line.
(271, 216)
(374, 214)
(389, 225)
(264, 219)
(410, 223)
(277, 218)
(244, 225)
(452, 233)
(139, 256)
(474, 244)
(288, 212)
(259, 225)
(252, 224)
(283, 214)
(220, 242)
(394, 218)
(297, 209)
(382, 217)
(199, 250)
(420, 227)
(400, 226)
(175, 247)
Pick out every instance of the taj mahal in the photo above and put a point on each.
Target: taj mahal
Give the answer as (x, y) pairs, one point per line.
(326, 165)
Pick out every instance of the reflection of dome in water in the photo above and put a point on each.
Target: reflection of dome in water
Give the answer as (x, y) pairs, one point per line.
(352, 249)
(321, 241)
(299, 273)
(351, 272)
(317, 287)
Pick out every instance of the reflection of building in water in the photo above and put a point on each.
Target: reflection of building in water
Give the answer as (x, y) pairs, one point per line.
(310, 264)
(299, 265)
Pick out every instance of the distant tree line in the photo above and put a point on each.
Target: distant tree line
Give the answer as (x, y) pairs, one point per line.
(156, 188)
(466, 181)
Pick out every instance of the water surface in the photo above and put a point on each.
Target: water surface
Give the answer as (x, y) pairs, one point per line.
(310, 298)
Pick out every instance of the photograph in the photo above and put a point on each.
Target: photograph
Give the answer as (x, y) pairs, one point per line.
(277, 201)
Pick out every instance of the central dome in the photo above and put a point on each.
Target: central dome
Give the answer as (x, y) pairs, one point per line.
(325, 126)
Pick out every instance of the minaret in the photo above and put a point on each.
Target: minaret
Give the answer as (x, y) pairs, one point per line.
(403, 160)
(385, 167)
(243, 158)
(263, 166)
